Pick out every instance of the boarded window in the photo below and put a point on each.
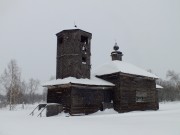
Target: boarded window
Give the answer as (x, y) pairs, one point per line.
(141, 96)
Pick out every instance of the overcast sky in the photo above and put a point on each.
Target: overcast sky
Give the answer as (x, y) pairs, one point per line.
(147, 32)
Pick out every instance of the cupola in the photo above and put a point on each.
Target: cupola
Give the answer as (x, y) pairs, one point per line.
(116, 55)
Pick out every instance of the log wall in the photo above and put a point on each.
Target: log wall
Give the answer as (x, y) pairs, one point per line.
(61, 96)
(72, 51)
(124, 93)
(86, 100)
(80, 99)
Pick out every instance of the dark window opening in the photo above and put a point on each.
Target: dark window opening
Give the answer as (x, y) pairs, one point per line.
(84, 48)
(84, 60)
(84, 39)
(60, 40)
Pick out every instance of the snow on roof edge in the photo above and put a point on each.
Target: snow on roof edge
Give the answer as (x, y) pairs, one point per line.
(159, 86)
(124, 67)
(93, 81)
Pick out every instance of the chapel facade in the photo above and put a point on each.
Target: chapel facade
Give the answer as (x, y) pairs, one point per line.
(117, 84)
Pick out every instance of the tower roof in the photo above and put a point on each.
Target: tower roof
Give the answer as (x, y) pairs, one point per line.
(73, 31)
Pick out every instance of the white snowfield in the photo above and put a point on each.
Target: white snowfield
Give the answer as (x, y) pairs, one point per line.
(124, 67)
(165, 121)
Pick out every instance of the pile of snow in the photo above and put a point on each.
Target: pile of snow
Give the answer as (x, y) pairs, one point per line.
(69, 80)
(124, 67)
(165, 121)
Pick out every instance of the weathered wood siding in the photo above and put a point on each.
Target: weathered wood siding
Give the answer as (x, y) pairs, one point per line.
(79, 99)
(124, 94)
(70, 54)
(61, 96)
(129, 85)
(86, 100)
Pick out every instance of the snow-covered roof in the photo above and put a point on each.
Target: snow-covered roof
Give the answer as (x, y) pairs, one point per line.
(124, 67)
(159, 86)
(69, 80)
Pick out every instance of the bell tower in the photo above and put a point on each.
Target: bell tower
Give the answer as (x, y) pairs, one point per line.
(73, 54)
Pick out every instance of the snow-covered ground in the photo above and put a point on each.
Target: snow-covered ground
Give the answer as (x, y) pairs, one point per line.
(165, 121)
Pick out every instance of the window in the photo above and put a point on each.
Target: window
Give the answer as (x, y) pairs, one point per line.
(141, 96)
(84, 39)
(84, 48)
(83, 60)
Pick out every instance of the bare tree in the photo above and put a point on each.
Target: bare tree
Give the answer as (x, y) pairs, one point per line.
(1, 89)
(44, 94)
(11, 81)
(171, 87)
(24, 89)
(174, 77)
(150, 71)
(32, 88)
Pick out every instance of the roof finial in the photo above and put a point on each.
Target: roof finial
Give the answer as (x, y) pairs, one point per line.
(116, 55)
(75, 24)
(116, 47)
